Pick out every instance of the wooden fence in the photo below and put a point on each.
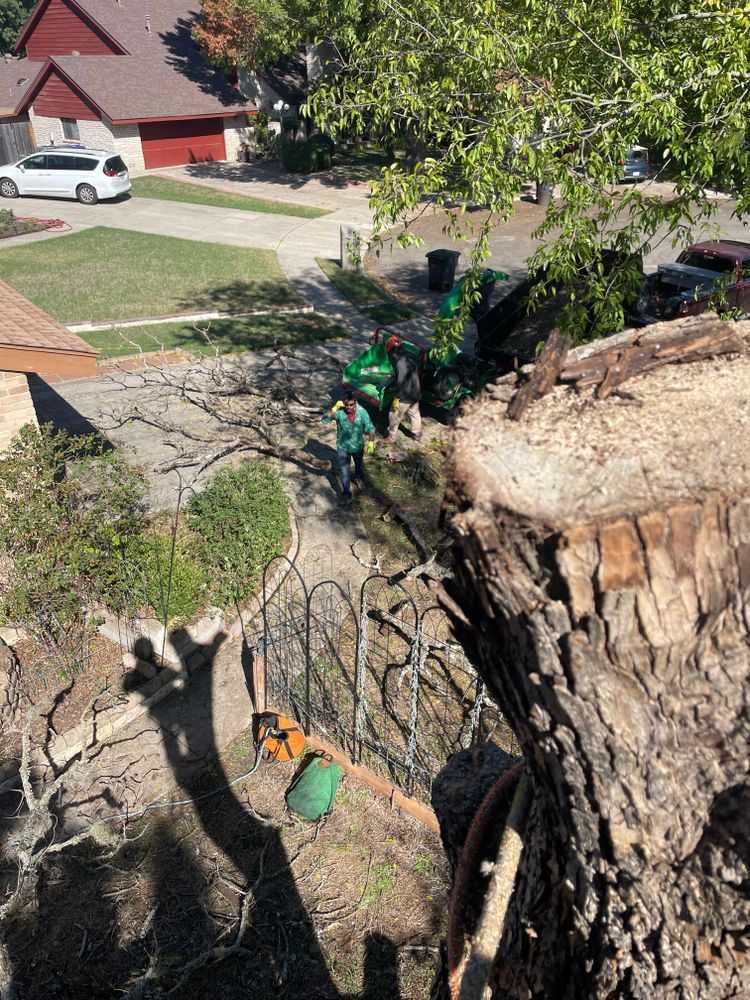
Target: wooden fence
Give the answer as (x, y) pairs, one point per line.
(15, 141)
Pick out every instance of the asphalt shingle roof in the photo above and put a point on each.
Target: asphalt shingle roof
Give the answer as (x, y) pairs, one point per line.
(164, 74)
(25, 325)
(16, 77)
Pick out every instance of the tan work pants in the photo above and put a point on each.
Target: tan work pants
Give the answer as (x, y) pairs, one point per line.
(401, 412)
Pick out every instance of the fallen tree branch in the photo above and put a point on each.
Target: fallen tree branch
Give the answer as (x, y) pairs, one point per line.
(429, 566)
(543, 375)
(610, 365)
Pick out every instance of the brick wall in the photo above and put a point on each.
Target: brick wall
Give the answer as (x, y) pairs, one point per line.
(236, 131)
(122, 139)
(16, 406)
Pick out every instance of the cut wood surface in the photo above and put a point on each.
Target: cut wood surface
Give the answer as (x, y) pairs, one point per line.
(574, 456)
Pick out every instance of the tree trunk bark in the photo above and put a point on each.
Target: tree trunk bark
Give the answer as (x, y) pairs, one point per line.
(603, 554)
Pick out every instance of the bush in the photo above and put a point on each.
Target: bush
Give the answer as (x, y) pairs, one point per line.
(71, 514)
(7, 220)
(174, 581)
(239, 522)
(305, 156)
(262, 134)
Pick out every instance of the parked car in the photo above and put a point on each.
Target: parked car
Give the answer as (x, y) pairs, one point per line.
(711, 275)
(636, 165)
(66, 172)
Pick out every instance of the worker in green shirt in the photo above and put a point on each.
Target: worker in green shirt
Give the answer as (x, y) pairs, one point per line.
(353, 423)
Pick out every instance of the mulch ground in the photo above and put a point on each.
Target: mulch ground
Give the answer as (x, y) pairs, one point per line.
(56, 697)
(350, 907)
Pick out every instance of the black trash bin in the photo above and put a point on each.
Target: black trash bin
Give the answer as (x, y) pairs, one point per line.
(482, 307)
(442, 266)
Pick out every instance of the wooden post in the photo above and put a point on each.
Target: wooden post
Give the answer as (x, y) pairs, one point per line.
(259, 677)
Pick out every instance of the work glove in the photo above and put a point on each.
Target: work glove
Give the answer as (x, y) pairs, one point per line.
(337, 406)
(370, 447)
(396, 403)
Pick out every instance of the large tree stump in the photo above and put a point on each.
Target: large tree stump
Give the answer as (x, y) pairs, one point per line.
(603, 551)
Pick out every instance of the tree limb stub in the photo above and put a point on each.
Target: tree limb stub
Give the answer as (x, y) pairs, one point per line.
(609, 363)
(602, 585)
(543, 377)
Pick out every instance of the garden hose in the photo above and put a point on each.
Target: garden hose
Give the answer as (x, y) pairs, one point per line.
(279, 737)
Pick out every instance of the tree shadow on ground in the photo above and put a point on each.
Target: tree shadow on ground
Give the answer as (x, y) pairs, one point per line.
(243, 296)
(105, 923)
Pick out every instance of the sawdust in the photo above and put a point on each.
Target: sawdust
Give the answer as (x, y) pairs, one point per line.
(676, 434)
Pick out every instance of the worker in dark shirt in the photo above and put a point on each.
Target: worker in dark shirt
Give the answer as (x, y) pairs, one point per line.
(406, 387)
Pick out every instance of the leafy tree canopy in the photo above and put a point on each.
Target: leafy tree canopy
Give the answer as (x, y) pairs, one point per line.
(253, 32)
(13, 16)
(500, 93)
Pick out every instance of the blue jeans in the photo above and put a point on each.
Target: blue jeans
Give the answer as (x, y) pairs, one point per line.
(344, 464)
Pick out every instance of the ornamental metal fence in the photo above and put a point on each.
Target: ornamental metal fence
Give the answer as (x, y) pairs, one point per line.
(377, 674)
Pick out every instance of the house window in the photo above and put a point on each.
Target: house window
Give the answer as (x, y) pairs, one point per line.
(70, 128)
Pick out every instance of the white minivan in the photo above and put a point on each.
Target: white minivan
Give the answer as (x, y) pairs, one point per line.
(66, 172)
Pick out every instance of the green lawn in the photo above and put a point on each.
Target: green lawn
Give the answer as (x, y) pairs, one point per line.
(229, 336)
(362, 164)
(170, 190)
(364, 294)
(105, 274)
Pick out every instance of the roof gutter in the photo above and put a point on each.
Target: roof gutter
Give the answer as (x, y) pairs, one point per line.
(184, 118)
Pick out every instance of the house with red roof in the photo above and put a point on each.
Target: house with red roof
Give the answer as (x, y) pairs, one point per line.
(123, 75)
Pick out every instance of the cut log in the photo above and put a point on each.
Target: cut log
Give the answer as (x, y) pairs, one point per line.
(543, 375)
(602, 590)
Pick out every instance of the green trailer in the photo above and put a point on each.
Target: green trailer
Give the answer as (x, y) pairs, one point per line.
(444, 385)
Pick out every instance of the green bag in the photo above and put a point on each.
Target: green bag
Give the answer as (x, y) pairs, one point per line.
(312, 792)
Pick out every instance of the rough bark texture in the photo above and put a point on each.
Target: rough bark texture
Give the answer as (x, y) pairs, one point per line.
(607, 609)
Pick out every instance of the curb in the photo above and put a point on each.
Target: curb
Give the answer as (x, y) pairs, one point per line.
(177, 317)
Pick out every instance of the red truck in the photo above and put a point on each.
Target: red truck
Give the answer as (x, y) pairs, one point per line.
(714, 276)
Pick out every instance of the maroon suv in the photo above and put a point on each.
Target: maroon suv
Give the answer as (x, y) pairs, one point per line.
(705, 276)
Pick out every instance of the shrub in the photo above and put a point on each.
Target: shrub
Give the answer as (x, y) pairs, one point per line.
(262, 134)
(239, 522)
(174, 582)
(305, 156)
(7, 220)
(71, 514)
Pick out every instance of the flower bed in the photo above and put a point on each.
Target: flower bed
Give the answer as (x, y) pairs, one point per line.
(11, 226)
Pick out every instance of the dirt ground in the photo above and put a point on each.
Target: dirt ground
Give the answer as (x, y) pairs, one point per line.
(58, 698)
(358, 898)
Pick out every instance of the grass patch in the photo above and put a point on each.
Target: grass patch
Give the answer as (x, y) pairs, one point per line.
(227, 336)
(109, 274)
(166, 189)
(382, 879)
(362, 164)
(417, 485)
(364, 294)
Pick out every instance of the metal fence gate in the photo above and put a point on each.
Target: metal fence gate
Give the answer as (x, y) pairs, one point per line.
(376, 674)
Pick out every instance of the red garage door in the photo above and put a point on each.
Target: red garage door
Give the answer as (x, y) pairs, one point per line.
(170, 144)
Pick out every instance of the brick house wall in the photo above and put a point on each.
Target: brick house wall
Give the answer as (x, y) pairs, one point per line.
(122, 139)
(236, 131)
(16, 406)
